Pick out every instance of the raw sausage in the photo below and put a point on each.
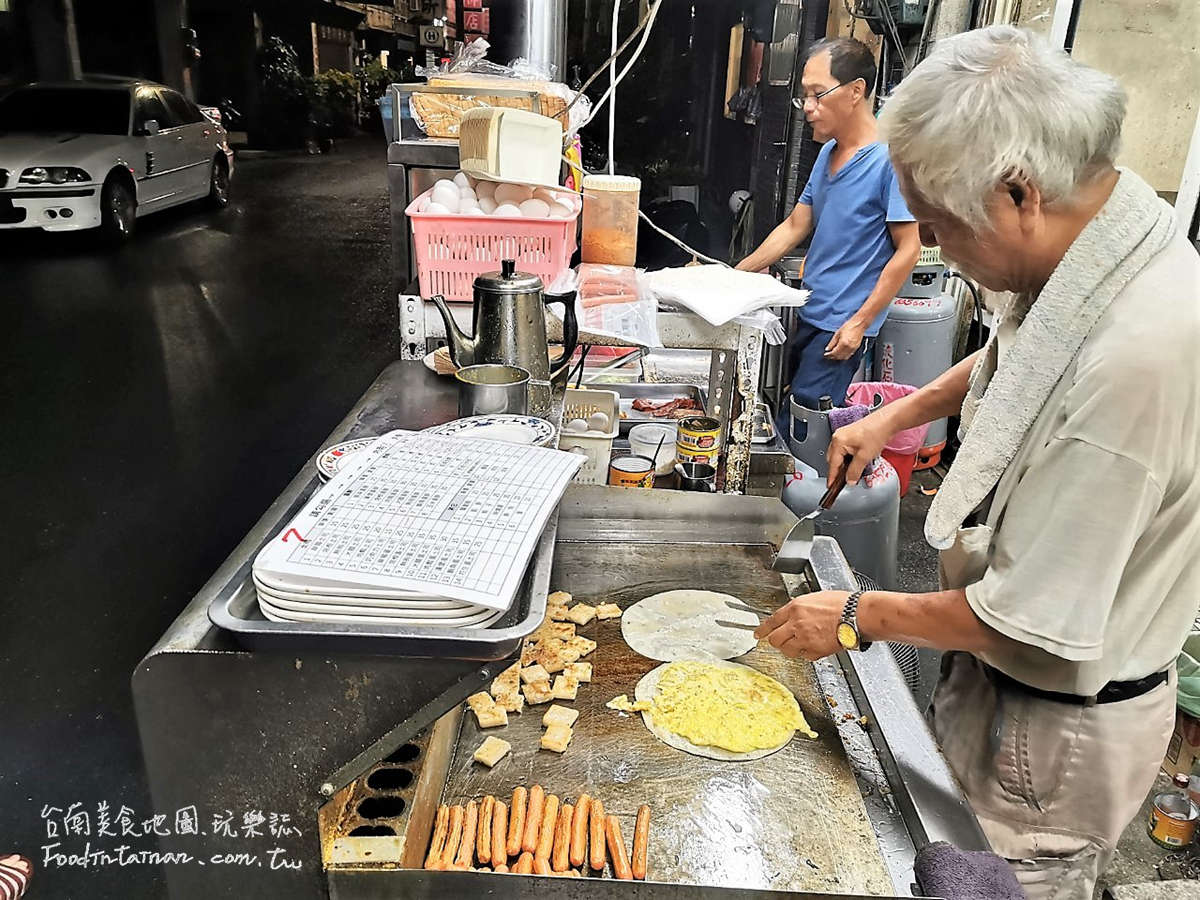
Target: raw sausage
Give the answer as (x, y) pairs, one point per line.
(434, 859)
(533, 818)
(545, 842)
(641, 842)
(499, 834)
(616, 849)
(483, 836)
(559, 859)
(516, 821)
(453, 837)
(541, 866)
(524, 864)
(597, 834)
(466, 849)
(579, 826)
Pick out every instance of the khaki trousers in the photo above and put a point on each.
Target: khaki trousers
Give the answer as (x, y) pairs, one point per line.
(1053, 784)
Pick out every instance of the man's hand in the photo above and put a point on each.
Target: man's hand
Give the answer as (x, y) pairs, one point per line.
(806, 626)
(845, 341)
(862, 442)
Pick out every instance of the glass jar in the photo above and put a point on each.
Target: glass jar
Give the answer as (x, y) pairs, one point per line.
(610, 219)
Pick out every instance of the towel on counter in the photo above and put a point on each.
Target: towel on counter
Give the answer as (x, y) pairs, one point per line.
(842, 416)
(945, 871)
(1004, 400)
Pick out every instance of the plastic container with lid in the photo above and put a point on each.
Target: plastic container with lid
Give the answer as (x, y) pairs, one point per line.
(610, 219)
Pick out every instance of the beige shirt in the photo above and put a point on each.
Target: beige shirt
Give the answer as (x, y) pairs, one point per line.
(1094, 570)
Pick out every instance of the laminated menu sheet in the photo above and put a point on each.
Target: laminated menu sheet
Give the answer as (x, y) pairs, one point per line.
(423, 517)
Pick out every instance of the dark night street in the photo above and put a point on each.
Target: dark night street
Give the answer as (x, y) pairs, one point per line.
(155, 401)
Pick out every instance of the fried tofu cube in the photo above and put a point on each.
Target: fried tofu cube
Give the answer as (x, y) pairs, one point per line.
(507, 681)
(608, 611)
(528, 653)
(565, 687)
(559, 715)
(554, 631)
(556, 612)
(581, 613)
(581, 645)
(556, 738)
(554, 655)
(580, 671)
(510, 701)
(559, 597)
(492, 717)
(491, 751)
(480, 702)
(534, 673)
(538, 692)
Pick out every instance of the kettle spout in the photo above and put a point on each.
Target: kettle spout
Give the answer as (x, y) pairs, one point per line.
(462, 347)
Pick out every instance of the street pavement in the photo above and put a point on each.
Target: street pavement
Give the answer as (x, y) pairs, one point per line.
(155, 400)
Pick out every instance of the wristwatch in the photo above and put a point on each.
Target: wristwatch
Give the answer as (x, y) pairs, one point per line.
(847, 631)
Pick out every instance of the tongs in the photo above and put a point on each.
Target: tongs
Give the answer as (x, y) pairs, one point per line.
(742, 626)
(797, 546)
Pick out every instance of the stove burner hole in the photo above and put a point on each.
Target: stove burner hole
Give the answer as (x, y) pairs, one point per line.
(390, 779)
(373, 832)
(404, 754)
(381, 807)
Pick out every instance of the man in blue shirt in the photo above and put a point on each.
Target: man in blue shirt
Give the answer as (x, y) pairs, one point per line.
(864, 240)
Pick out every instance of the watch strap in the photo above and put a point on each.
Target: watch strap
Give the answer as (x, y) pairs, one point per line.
(850, 617)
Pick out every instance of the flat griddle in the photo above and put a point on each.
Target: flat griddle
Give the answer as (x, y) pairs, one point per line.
(791, 821)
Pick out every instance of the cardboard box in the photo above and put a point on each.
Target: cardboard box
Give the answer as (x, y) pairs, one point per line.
(1184, 749)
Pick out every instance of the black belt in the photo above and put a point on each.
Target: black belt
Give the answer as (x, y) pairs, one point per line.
(1113, 692)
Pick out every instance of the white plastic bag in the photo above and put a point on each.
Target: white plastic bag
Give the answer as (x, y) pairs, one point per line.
(719, 294)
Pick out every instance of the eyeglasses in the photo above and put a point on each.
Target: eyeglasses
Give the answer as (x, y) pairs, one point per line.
(801, 102)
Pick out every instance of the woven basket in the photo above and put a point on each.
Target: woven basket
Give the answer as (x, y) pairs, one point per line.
(441, 113)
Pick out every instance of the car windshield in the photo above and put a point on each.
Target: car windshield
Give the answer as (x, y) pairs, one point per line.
(81, 110)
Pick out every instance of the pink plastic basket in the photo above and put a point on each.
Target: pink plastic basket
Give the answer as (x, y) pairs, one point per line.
(452, 250)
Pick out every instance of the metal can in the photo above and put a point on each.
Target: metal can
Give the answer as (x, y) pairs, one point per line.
(692, 455)
(631, 471)
(1173, 819)
(699, 433)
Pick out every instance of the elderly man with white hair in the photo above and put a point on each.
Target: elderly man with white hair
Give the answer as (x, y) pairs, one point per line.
(1069, 523)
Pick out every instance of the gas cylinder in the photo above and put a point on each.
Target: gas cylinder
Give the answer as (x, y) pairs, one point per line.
(915, 346)
(865, 518)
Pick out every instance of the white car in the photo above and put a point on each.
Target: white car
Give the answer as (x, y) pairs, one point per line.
(79, 155)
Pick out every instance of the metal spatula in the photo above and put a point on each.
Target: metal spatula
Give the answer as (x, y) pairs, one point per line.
(797, 546)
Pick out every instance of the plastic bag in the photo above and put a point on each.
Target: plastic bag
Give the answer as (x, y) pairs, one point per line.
(611, 302)
(1187, 694)
(904, 442)
(719, 294)
(769, 323)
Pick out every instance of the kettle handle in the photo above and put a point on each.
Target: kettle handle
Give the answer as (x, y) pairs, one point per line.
(570, 330)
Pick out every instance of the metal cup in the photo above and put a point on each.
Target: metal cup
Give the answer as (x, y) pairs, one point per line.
(491, 388)
(696, 477)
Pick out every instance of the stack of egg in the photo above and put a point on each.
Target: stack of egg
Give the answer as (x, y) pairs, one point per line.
(467, 196)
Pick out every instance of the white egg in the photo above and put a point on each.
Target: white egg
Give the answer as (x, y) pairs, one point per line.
(561, 210)
(487, 204)
(578, 426)
(447, 195)
(445, 183)
(469, 208)
(466, 194)
(544, 194)
(451, 203)
(535, 208)
(598, 421)
(507, 209)
(513, 193)
(436, 209)
(462, 180)
(485, 189)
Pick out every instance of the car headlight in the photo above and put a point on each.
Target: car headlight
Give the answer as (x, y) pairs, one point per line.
(54, 175)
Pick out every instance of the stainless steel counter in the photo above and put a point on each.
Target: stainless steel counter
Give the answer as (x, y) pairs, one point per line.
(225, 728)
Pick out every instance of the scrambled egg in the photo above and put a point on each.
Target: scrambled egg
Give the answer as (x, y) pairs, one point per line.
(739, 710)
(623, 703)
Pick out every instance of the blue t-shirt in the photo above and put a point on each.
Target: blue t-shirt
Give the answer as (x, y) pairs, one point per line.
(850, 241)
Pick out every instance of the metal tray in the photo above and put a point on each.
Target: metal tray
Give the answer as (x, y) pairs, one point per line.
(656, 393)
(235, 609)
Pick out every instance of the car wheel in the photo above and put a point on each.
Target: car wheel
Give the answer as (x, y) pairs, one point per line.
(118, 212)
(218, 190)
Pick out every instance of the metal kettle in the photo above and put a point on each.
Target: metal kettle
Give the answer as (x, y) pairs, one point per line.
(509, 324)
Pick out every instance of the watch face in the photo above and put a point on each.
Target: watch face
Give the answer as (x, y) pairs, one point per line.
(847, 636)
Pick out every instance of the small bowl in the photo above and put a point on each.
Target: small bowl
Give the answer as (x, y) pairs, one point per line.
(643, 441)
